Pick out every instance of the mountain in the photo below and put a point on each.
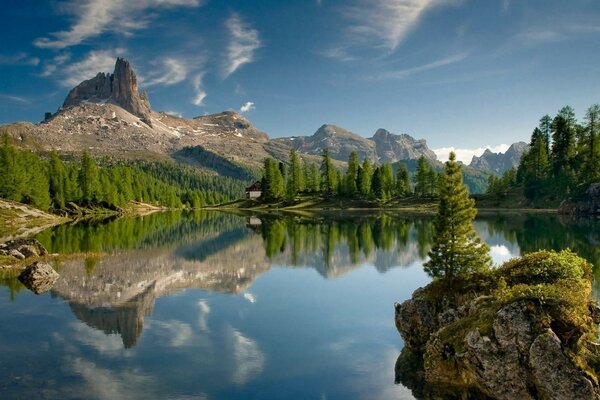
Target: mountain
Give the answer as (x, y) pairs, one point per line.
(339, 141)
(383, 147)
(500, 162)
(119, 88)
(108, 116)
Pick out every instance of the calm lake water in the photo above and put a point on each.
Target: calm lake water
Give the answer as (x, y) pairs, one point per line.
(221, 306)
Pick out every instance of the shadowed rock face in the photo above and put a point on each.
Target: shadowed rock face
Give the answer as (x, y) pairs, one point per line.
(120, 87)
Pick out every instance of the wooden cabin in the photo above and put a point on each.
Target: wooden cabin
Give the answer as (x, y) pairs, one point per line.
(254, 191)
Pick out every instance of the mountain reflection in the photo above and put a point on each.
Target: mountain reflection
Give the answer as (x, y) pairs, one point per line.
(161, 254)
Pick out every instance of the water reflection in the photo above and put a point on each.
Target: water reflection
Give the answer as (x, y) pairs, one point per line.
(129, 318)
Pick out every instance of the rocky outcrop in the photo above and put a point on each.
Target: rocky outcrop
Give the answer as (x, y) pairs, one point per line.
(39, 277)
(518, 333)
(23, 248)
(120, 88)
(587, 204)
(500, 162)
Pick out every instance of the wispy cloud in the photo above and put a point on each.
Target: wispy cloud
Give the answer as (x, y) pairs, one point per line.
(466, 155)
(405, 73)
(19, 59)
(94, 62)
(94, 17)
(15, 99)
(172, 71)
(248, 106)
(199, 89)
(385, 23)
(243, 43)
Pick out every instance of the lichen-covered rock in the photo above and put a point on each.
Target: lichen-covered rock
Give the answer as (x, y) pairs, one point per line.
(528, 333)
(39, 277)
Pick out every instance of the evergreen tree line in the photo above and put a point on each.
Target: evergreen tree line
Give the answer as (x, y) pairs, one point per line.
(53, 183)
(563, 157)
(360, 180)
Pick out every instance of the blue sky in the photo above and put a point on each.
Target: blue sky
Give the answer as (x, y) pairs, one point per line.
(462, 73)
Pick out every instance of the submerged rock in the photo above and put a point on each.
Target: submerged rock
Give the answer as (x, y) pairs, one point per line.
(524, 331)
(39, 277)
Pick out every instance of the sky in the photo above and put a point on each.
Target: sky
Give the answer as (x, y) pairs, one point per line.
(463, 74)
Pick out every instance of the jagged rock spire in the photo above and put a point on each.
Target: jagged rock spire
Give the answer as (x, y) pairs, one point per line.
(120, 88)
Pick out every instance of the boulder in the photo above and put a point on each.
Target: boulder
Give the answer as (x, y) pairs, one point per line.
(39, 277)
(23, 248)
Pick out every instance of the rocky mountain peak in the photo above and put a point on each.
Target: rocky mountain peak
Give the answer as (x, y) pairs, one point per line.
(391, 148)
(120, 88)
(500, 162)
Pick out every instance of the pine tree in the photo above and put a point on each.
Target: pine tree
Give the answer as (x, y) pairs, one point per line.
(295, 181)
(350, 180)
(457, 249)
(422, 177)
(58, 181)
(402, 185)
(328, 174)
(591, 167)
(88, 179)
(364, 183)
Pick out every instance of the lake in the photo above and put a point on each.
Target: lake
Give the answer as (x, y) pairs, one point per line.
(222, 306)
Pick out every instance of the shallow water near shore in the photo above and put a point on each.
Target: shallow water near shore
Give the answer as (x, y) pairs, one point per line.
(220, 306)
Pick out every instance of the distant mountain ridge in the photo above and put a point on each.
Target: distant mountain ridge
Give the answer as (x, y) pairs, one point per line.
(500, 162)
(383, 147)
(107, 116)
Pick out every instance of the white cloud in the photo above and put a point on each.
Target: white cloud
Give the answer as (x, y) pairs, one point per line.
(173, 71)
(203, 317)
(405, 73)
(250, 297)
(19, 59)
(386, 21)
(200, 92)
(52, 65)
(248, 106)
(16, 99)
(466, 155)
(94, 17)
(249, 359)
(103, 384)
(94, 62)
(177, 333)
(243, 43)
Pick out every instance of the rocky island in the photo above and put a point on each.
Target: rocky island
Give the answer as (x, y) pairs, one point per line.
(526, 330)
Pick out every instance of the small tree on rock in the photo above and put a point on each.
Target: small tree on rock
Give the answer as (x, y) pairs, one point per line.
(457, 248)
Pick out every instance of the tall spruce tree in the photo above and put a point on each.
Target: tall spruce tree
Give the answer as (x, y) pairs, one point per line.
(591, 167)
(423, 177)
(457, 249)
(351, 178)
(366, 175)
(329, 176)
(89, 179)
(402, 185)
(295, 180)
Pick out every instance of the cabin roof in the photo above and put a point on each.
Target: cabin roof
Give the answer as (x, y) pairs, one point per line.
(255, 187)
